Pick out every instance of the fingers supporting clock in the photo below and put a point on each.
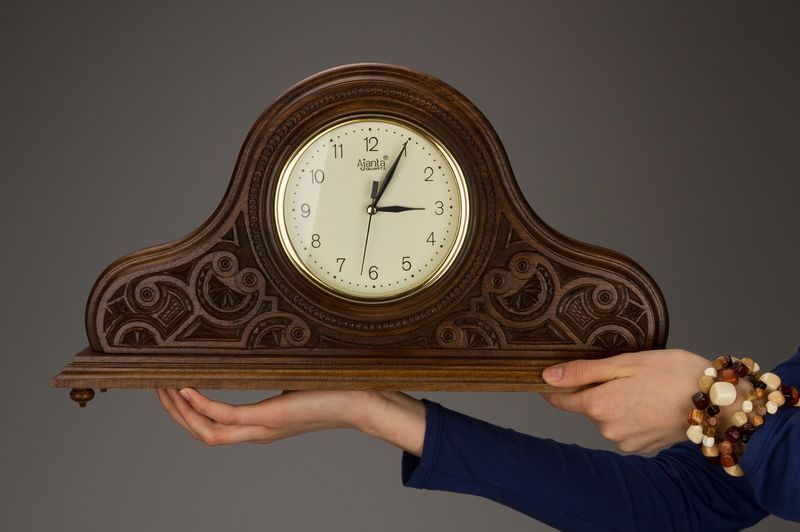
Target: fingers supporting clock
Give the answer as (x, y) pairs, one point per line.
(169, 405)
(212, 432)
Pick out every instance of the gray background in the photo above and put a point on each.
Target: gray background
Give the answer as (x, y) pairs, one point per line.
(667, 132)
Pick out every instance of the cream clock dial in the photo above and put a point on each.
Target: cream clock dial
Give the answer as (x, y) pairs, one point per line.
(372, 208)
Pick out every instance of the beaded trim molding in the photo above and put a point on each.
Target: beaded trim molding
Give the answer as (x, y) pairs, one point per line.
(718, 388)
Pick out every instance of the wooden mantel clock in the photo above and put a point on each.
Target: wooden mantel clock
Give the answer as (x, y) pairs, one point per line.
(373, 236)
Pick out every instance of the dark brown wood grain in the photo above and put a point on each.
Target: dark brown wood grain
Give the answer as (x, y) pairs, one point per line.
(225, 308)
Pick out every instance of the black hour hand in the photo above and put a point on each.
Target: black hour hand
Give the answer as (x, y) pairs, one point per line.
(398, 208)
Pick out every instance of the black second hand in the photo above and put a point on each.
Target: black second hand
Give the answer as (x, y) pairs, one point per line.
(369, 224)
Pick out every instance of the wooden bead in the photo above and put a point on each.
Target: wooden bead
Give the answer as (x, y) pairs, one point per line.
(740, 369)
(721, 362)
(735, 470)
(709, 430)
(747, 406)
(695, 417)
(708, 441)
(701, 401)
(748, 428)
(733, 434)
(722, 393)
(756, 367)
(695, 433)
(725, 447)
(712, 410)
(749, 362)
(791, 395)
(777, 397)
(760, 393)
(728, 375)
(705, 383)
(710, 452)
(772, 381)
(759, 383)
(711, 372)
(757, 420)
(739, 418)
(710, 421)
(728, 460)
(761, 410)
(771, 407)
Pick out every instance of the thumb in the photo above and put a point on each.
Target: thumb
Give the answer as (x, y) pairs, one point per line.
(584, 371)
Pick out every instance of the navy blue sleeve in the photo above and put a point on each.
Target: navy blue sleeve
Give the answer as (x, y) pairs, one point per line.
(771, 461)
(574, 488)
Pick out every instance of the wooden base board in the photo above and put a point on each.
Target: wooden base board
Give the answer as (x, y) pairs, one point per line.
(93, 370)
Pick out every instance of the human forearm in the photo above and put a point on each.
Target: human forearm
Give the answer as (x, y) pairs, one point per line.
(394, 417)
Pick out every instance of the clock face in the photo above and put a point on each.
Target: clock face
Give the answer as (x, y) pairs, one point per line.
(372, 208)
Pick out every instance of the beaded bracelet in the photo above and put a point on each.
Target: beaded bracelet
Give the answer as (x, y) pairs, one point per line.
(718, 388)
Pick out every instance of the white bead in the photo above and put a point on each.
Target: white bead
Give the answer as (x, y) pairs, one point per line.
(772, 381)
(756, 367)
(711, 372)
(695, 433)
(777, 398)
(739, 418)
(722, 393)
(708, 441)
(747, 406)
(772, 407)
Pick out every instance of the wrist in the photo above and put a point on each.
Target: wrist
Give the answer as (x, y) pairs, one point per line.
(394, 417)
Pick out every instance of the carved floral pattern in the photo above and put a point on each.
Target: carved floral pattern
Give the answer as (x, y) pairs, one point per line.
(535, 300)
(230, 304)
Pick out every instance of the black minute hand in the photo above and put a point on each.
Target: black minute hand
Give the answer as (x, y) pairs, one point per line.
(389, 176)
(398, 208)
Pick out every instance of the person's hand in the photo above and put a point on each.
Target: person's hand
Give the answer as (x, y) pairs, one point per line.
(391, 416)
(643, 399)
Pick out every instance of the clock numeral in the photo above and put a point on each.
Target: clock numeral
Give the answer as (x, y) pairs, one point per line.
(373, 272)
(371, 143)
(439, 208)
(430, 239)
(317, 176)
(315, 241)
(338, 151)
(406, 264)
(429, 174)
(340, 260)
(305, 210)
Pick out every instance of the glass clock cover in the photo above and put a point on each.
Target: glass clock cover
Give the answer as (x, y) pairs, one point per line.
(372, 208)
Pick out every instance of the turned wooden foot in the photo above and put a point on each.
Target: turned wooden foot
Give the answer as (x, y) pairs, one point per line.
(81, 395)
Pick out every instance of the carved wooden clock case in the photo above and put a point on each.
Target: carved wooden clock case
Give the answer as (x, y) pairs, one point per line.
(225, 307)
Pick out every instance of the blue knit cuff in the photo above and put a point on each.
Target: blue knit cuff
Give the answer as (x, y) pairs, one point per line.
(416, 471)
